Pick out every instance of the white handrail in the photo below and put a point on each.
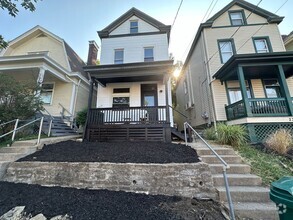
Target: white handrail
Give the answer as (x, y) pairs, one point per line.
(5, 123)
(225, 167)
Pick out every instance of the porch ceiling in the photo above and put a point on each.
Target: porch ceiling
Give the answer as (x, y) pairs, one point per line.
(130, 72)
(256, 66)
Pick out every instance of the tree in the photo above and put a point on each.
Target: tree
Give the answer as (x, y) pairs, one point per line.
(17, 99)
(11, 7)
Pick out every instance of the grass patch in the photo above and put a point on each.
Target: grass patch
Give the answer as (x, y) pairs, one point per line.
(5, 143)
(269, 166)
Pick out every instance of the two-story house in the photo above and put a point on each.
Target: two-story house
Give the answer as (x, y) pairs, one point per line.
(238, 71)
(133, 81)
(39, 56)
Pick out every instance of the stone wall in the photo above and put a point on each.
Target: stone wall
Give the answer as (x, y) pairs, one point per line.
(188, 180)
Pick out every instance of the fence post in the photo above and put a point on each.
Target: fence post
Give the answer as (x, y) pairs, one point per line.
(14, 130)
(50, 127)
(40, 130)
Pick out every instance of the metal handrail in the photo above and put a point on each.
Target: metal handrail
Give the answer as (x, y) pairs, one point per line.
(5, 123)
(51, 120)
(16, 129)
(64, 109)
(225, 167)
(178, 111)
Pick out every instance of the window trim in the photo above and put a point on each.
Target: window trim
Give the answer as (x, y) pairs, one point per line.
(243, 17)
(233, 47)
(144, 57)
(267, 38)
(121, 95)
(121, 49)
(264, 87)
(249, 87)
(53, 90)
(131, 28)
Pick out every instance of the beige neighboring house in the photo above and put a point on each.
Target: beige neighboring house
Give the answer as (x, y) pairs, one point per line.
(288, 41)
(238, 71)
(42, 57)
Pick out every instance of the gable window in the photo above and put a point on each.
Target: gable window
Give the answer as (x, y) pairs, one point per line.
(237, 18)
(148, 54)
(133, 27)
(272, 88)
(119, 56)
(262, 45)
(120, 97)
(226, 49)
(234, 91)
(47, 93)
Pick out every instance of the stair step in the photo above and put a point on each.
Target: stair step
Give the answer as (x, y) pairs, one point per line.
(23, 150)
(245, 194)
(252, 210)
(237, 180)
(234, 169)
(24, 143)
(227, 158)
(11, 156)
(3, 168)
(219, 150)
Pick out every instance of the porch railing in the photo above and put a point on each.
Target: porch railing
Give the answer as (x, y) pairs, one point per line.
(127, 115)
(258, 107)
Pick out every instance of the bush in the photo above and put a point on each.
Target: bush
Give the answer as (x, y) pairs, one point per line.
(234, 135)
(210, 133)
(280, 141)
(81, 117)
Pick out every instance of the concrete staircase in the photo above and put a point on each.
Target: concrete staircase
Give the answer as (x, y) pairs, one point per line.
(59, 127)
(250, 199)
(18, 150)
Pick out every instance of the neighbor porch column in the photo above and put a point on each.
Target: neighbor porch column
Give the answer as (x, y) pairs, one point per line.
(89, 105)
(167, 101)
(41, 76)
(243, 91)
(284, 89)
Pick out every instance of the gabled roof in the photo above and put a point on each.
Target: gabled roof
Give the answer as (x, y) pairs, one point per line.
(271, 18)
(134, 12)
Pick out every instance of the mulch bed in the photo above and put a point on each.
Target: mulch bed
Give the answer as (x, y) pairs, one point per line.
(83, 204)
(115, 152)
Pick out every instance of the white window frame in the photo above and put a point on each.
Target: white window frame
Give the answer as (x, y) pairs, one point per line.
(237, 19)
(221, 47)
(118, 61)
(266, 45)
(146, 58)
(48, 90)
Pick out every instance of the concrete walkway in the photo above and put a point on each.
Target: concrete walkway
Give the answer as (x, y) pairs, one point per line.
(250, 199)
(21, 149)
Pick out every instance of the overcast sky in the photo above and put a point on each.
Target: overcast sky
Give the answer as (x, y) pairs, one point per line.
(77, 21)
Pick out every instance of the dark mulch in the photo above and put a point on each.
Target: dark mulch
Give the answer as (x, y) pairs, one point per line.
(115, 152)
(84, 204)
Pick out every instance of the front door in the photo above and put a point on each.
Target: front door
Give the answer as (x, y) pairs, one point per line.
(149, 98)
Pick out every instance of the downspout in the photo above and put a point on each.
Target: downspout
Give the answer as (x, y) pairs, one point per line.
(75, 98)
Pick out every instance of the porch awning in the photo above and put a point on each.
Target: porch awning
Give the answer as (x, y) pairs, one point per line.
(130, 72)
(256, 66)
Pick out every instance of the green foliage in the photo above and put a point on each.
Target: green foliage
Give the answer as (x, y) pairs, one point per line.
(210, 133)
(11, 7)
(17, 100)
(234, 135)
(269, 166)
(81, 117)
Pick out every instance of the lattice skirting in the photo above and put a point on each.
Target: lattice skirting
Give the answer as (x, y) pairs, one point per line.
(259, 132)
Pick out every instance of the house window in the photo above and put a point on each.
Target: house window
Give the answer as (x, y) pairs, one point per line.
(133, 27)
(234, 91)
(261, 45)
(272, 88)
(237, 18)
(120, 97)
(148, 54)
(226, 49)
(47, 93)
(119, 55)
(185, 87)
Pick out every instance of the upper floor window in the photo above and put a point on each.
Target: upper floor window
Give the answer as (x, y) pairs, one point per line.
(133, 27)
(262, 45)
(226, 49)
(148, 54)
(118, 57)
(237, 18)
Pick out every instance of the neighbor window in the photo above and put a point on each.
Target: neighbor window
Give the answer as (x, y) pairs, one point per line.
(119, 55)
(234, 91)
(185, 87)
(121, 97)
(47, 93)
(272, 88)
(226, 50)
(261, 45)
(237, 18)
(148, 54)
(133, 27)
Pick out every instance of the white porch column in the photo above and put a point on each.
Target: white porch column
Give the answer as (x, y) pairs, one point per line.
(73, 98)
(41, 76)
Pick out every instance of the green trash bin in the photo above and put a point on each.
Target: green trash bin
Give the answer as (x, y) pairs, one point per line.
(282, 194)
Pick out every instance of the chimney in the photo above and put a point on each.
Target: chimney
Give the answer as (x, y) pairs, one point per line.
(93, 53)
